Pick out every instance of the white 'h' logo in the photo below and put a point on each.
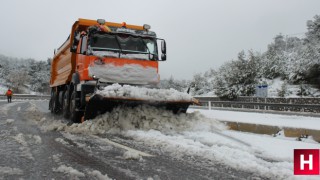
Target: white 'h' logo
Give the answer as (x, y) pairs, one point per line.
(303, 162)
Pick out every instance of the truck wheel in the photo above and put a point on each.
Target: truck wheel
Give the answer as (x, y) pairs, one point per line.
(51, 104)
(75, 115)
(55, 104)
(59, 103)
(65, 105)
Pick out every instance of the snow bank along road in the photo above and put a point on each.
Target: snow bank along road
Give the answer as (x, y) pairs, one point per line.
(266, 123)
(140, 143)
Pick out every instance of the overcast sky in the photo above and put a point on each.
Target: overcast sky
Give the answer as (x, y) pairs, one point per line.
(200, 34)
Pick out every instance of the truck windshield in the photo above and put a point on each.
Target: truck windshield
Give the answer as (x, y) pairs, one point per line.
(124, 45)
(104, 42)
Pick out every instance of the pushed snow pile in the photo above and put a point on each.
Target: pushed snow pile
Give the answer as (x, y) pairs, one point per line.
(131, 155)
(138, 118)
(99, 175)
(75, 174)
(127, 91)
(10, 171)
(10, 121)
(145, 118)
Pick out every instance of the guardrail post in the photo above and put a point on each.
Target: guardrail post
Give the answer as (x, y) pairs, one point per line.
(209, 105)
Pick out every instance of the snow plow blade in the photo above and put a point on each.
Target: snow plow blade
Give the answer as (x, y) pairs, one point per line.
(98, 104)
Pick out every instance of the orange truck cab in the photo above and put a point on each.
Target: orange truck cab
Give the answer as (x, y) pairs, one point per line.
(98, 53)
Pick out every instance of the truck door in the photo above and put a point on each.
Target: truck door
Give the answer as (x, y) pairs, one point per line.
(81, 56)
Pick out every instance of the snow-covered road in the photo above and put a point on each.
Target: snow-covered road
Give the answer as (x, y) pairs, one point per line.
(140, 143)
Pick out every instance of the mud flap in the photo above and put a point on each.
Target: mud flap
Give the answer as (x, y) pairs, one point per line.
(98, 104)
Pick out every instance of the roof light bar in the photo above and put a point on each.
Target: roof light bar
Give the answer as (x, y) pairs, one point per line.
(101, 21)
(146, 26)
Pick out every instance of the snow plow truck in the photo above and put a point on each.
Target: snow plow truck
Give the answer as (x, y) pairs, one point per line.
(99, 66)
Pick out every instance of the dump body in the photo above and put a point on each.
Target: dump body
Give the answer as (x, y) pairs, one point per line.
(98, 54)
(62, 66)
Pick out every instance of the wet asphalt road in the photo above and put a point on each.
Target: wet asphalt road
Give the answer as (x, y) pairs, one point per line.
(24, 156)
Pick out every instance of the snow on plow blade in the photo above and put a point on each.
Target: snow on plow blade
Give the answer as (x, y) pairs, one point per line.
(116, 95)
(98, 104)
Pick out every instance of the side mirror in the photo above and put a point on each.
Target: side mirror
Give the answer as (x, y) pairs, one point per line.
(163, 47)
(163, 57)
(163, 50)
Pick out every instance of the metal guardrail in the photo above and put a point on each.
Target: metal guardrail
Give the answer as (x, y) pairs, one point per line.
(315, 108)
(209, 103)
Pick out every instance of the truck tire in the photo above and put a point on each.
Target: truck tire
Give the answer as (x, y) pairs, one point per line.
(55, 108)
(75, 115)
(51, 102)
(66, 105)
(59, 102)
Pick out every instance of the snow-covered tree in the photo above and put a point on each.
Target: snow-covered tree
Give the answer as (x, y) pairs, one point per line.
(313, 34)
(199, 85)
(180, 85)
(40, 75)
(283, 91)
(279, 43)
(17, 79)
(238, 77)
(18, 73)
(274, 60)
(294, 60)
(292, 43)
